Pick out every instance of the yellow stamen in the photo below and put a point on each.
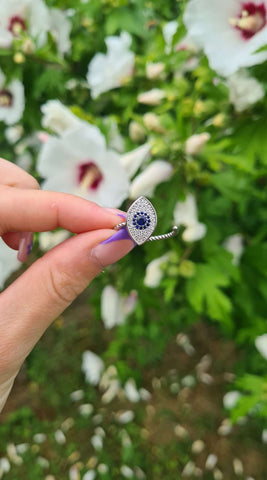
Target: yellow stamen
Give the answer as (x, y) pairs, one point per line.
(5, 101)
(89, 178)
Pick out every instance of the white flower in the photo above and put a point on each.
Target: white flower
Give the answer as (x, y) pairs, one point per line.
(97, 442)
(238, 467)
(89, 475)
(145, 183)
(58, 118)
(195, 144)
(39, 437)
(229, 31)
(261, 345)
(17, 16)
(115, 139)
(152, 97)
(92, 367)
(244, 91)
(12, 101)
(48, 240)
(131, 391)
(60, 437)
(168, 32)
(185, 213)
(264, 435)
(8, 262)
(14, 133)
(132, 161)
(110, 383)
(198, 446)
(154, 272)
(86, 409)
(154, 70)
(108, 71)
(125, 417)
(102, 469)
(77, 395)
(230, 399)
(60, 27)
(114, 307)
(79, 162)
(235, 245)
(126, 471)
(211, 461)
(4, 465)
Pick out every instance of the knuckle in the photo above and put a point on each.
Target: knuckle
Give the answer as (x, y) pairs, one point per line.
(62, 288)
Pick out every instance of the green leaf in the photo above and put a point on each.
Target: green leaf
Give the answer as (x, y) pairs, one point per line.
(204, 293)
(125, 19)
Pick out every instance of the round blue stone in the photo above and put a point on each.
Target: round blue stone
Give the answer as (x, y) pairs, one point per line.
(141, 221)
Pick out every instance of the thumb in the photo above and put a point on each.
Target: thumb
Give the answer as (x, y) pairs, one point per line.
(40, 294)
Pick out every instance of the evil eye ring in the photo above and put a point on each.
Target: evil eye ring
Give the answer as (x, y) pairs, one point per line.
(141, 221)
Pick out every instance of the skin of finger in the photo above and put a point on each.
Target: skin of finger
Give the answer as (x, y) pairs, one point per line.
(14, 176)
(39, 211)
(12, 239)
(41, 293)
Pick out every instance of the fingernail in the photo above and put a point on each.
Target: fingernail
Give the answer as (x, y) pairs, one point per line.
(25, 246)
(112, 249)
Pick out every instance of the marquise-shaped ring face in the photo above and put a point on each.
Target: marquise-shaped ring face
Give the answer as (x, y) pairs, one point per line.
(141, 220)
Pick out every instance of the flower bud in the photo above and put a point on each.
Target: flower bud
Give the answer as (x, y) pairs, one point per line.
(19, 58)
(195, 144)
(137, 132)
(154, 70)
(152, 97)
(152, 122)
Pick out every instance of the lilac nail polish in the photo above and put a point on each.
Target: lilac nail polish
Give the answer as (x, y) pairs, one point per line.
(121, 234)
(25, 246)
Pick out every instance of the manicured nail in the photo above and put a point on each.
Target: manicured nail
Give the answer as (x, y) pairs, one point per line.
(25, 246)
(112, 249)
(121, 234)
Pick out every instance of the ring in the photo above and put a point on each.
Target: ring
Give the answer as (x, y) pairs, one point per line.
(141, 221)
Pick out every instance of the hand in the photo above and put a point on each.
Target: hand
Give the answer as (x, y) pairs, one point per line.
(41, 293)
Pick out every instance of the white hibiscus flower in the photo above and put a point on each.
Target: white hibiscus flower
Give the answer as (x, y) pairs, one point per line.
(108, 71)
(261, 345)
(79, 162)
(185, 213)
(229, 32)
(60, 27)
(8, 262)
(92, 367)
(154, 271)
(168, 31)
(12, 100)
(57, 117)
(235, 245)
(115, 308)
(244, 90)
(17, 16)
(146, 182)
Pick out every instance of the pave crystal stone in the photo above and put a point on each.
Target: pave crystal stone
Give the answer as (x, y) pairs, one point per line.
(141, 220)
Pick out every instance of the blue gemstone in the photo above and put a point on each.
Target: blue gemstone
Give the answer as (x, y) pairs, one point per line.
(141, 221)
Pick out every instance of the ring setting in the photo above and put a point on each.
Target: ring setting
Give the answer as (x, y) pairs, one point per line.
(141, 221)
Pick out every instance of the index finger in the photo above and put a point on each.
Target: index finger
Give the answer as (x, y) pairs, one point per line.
(38, 211)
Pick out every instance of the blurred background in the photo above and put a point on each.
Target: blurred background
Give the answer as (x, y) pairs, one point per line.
(158, 370)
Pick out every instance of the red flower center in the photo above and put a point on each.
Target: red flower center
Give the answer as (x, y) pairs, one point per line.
(251, 19)
(17, 25)
(6, 98)
(89, 176)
